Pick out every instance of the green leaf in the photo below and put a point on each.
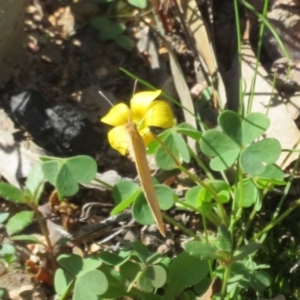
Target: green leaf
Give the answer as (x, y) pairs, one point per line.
(254, 158)
(141, 251)
(7, 249)
(72, 263)
(200, 250)
(18, 222)
(30, 239)
(165, 196)
(231, 125)
(112, 259)
(157, 275)
(124, 190)
(184, 154)
(141, 211)
(201, 287)
(90, 286)
(11, 193)
(89, 264)
(218, 145)
(130, 270)
(50, 169)
(260, 280)
(223, 240)
(247, 193)
(245, 251)
(125, 42)
(3, 217)
(62, 280)
(274, 173)
(253, 126)
(99, 23)
(189, 131)
(123, 205)
(196, 196)
(238, 269)
(243, 131)
(117, 286)
(65, 182)
(177, 146)
(192, 195)
(154, 145)
(185, 271)
(35, 182)
(107, 30)
(144, 282)
(142, 4)
(83, 168)
(65, 174)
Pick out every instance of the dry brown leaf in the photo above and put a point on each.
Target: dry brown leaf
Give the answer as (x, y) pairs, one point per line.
(198, 29)
(214, 288)
(184, 95)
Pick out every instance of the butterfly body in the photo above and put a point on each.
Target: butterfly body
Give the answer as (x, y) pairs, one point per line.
(137, 152)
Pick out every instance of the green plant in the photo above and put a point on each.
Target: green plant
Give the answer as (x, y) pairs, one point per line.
(140, 275)
(64, 174)
(114, 31)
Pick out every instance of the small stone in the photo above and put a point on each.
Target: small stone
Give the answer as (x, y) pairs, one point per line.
(31, 9)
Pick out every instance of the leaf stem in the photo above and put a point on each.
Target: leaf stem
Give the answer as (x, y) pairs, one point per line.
(277, 221)
(195, 179)
(179, 225)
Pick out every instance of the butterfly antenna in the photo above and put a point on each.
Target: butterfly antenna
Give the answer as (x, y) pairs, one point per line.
(105, 98)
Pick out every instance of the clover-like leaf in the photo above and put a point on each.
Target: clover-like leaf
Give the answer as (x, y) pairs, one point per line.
(274, 173)
(253, 126)
(62, 280)
(243, 130)
(50, 169)
(142, 4)
(254, 158)
(247, 193)
(222, 148)
(231, 124)
(83, 168)
(177, 146)
(157, 275)
(72, 263)
(90, 285)
(189, 131)
(141, 210)
(66, 174)
(185, 270)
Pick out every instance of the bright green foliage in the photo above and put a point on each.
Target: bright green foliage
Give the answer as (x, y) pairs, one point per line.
(247, 193)
(11, 193)
(125, 193)
(7, 255)
(89, 282)
(19, 221)
(142, 4)
(237, 142)
(109, 30)
(66, 173)
(185, 271)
